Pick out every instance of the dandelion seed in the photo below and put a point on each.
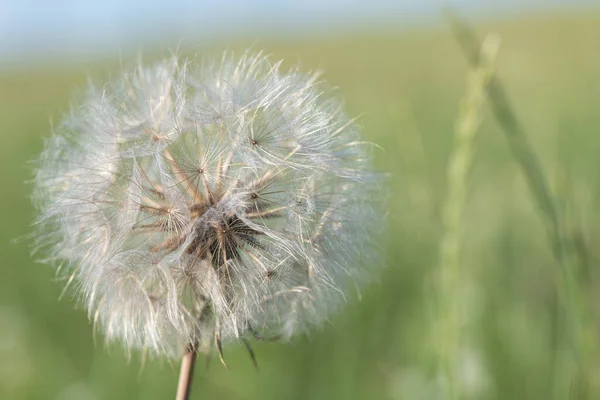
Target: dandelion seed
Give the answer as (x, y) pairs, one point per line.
(195, 206)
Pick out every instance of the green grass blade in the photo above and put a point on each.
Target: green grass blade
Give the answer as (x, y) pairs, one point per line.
(577, 321)
(461, 159)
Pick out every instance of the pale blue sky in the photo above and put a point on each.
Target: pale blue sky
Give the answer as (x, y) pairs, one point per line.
(33, 30)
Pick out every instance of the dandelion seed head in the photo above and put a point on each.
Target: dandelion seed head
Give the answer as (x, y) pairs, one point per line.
(193, 204)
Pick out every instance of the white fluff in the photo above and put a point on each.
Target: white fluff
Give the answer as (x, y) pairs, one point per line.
(193, 205)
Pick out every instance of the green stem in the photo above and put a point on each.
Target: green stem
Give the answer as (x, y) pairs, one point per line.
(576, 315)
(458, 170)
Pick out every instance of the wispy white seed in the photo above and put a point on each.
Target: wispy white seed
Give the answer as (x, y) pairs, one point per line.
(197, 204)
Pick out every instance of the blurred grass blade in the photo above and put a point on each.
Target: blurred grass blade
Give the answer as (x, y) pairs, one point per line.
(579, 329)
(521, 148)
(461, 159)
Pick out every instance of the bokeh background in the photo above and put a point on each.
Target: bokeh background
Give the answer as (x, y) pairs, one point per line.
(397, 64)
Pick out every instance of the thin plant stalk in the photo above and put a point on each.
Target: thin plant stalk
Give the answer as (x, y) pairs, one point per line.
(186, 374)
(460, 162)
(576, 315)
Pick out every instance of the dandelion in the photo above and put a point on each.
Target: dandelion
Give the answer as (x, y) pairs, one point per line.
(196, 206)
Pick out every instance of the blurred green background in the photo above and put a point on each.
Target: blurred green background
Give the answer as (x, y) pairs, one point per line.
(408, 85)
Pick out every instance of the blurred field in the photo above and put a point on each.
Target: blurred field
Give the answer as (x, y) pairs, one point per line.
(409, 86)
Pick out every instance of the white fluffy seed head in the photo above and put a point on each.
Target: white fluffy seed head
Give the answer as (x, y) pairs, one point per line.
(194, 205)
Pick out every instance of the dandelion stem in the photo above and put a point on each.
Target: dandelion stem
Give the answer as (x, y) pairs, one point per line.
(186, 373)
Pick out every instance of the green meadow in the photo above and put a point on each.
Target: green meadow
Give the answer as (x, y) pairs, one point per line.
(407, 87)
